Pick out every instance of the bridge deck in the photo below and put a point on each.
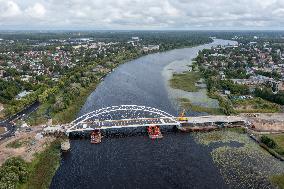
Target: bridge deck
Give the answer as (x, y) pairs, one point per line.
(215, 119)
(143, 122)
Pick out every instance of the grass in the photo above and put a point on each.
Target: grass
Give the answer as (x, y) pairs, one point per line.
(255, 105)
(239, 130)
(279, 139)
(278, 180)
(187, 105)
(185, 81)
(38, 117)
(43, 167)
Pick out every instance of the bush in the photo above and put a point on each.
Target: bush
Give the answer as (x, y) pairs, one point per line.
(268, 142)
(13, 172)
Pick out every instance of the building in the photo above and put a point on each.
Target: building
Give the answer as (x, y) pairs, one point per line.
(1, 107)
(151, 48)
(223, 76)
(227, 92)
(2, 73)
(135, 38)
(22, 94)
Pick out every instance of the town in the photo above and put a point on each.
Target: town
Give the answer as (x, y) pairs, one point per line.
(33, 69)
(249, 75)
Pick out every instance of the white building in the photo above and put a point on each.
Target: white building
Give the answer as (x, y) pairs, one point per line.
(2, 72)
(22, 94)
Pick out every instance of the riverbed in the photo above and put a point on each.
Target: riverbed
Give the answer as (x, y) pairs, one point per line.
(176, 161)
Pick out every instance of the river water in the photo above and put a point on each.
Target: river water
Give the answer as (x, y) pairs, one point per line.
(176, 161)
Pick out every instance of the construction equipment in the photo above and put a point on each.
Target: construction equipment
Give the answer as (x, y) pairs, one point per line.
(182, 117)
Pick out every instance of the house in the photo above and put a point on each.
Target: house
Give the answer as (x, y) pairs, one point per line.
(22, 94)
(281, 86)
(109, 63)
(1, 107)
(151, 48)
(135, 38)
(2, 73)
(100, 68)
(223, 76)
(26, 78)
(227, 92)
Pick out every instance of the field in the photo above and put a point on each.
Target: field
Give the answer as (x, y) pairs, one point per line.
(279, 139)
(188, 106)
(255, 105)
(185, 81)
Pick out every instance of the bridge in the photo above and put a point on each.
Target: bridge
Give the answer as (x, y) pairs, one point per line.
(125, 116)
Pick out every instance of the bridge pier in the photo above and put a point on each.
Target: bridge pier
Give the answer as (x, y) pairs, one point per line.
(65, 145)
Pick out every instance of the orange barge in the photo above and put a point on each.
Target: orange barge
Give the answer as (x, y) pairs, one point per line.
(96, 136)
(154, 132)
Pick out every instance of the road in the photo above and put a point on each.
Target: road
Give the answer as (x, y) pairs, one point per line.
(8, 123)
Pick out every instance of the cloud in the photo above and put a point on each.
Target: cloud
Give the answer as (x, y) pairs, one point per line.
(9, 9)
(143, 14)
(36, 11)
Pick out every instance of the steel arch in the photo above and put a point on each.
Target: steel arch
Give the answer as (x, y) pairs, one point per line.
(114, 109)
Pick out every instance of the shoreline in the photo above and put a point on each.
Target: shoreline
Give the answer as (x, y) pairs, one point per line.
(195, 94)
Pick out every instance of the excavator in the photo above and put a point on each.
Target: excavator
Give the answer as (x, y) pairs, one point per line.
(182, 117)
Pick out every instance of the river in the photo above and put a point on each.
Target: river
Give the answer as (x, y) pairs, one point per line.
(176, 161)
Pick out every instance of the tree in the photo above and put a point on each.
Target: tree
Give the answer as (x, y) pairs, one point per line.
(13, 172)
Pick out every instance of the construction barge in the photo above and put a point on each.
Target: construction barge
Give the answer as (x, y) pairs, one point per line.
(96, 136)
(154, 132)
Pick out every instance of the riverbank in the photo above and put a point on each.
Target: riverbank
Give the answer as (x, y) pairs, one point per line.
(25, 144)
(185, 81)
(43, 167)
(17, 172)
(40, 155)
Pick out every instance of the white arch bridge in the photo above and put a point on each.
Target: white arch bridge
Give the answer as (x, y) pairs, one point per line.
(124, 116)
(121, 117)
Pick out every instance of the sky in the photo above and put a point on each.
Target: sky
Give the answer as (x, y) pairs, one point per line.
(142, 14)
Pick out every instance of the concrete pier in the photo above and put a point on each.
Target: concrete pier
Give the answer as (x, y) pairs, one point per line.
(65, 145)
